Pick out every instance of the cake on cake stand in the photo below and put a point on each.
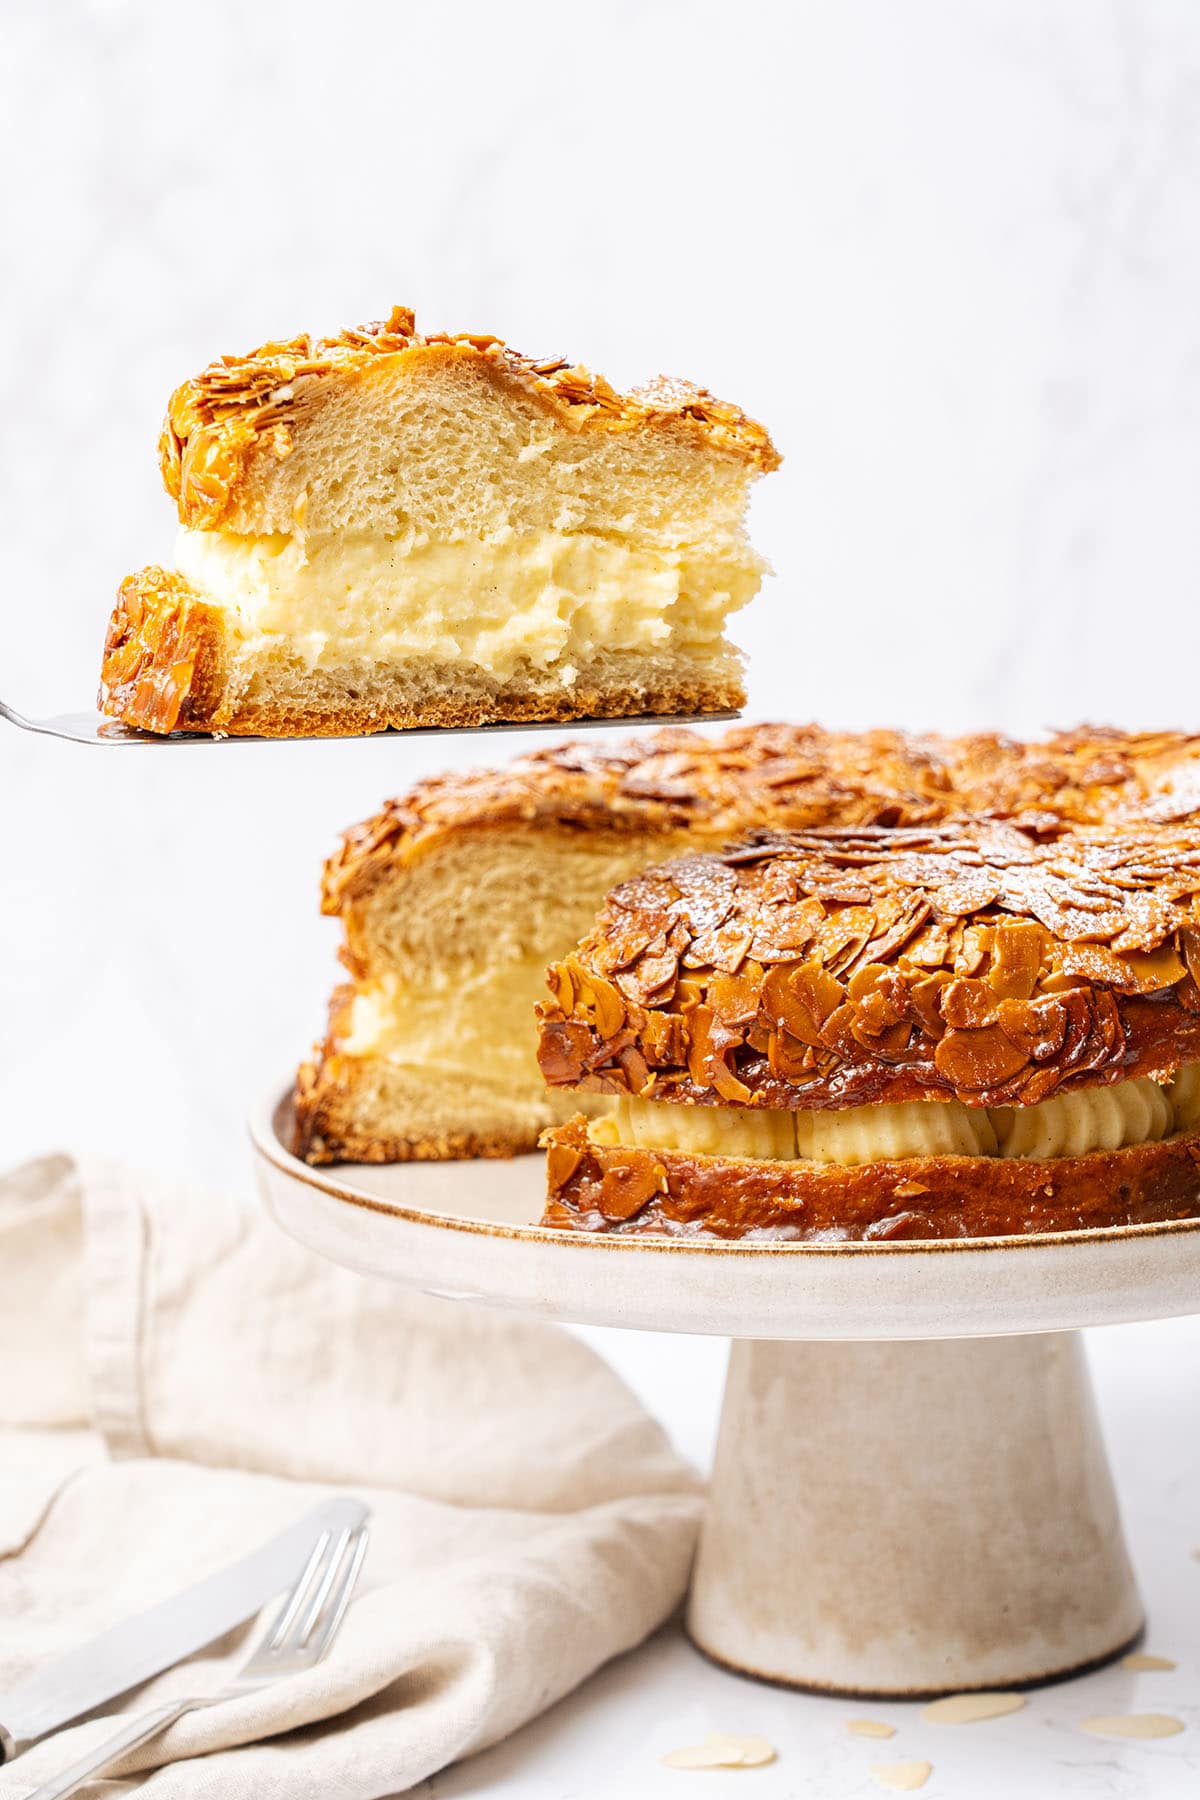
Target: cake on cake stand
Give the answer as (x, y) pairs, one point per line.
(910, 1494)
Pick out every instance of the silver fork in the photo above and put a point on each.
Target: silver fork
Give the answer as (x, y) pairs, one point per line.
(92, 728)
(307, 1623)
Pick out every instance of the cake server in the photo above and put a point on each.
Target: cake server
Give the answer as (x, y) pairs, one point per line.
(93, 728)
(130, 1653)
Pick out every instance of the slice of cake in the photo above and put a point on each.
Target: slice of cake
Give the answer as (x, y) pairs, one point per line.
(940, 1032)
(455, 897)
(384, 529)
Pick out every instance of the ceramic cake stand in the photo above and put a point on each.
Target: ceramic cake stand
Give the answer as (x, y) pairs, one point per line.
(910, 1492)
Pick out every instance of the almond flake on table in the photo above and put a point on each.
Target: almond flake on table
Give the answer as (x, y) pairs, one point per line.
(906, 1776)
(1139, 1660)
(1133, 1725)
(968, 1709)
(869, 1728)
(721, 1750)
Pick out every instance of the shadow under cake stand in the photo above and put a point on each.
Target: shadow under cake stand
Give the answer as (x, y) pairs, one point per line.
(910, 1493)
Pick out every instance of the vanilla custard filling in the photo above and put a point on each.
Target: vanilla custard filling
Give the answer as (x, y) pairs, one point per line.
(468, 1020)
(541, 599)
(1073, 1124)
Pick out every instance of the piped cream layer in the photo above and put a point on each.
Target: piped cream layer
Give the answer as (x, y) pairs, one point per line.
(1074, 1124)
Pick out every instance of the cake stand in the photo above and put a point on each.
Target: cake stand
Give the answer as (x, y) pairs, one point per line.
(910, 1493)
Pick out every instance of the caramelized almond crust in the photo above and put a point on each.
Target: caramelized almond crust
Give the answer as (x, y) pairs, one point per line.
(593, 1187)
(842, 968)
(784, 776)
(164, 656)
(216, 421)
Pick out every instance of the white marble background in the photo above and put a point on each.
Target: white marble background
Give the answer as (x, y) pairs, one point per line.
(949, 251)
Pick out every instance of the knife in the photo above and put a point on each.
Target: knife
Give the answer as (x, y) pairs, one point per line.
(130, 1653)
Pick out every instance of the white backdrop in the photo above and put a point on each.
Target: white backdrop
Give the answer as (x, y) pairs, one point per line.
(949, 251)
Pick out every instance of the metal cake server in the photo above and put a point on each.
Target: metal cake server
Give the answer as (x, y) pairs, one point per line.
(93, 728)
(130, 1653)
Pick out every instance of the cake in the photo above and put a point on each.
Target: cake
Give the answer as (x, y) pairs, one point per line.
(946, 1031)
(386, 529)
(453, 898)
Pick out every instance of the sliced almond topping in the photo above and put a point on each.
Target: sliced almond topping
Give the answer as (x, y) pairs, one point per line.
(1139, 1660)
(753, 1752)
(906, 1776)
(872, 1728)
(1134, 1725)
(698, 1756)
(722, 1751)
(966, 1709)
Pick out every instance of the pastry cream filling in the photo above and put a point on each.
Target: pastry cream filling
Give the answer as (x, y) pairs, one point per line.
(474, 1020)
(1073, 1124)
(541, 599)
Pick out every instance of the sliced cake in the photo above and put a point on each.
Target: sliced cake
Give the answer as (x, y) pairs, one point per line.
(934, 1032)
(386, 529)
(454, 897)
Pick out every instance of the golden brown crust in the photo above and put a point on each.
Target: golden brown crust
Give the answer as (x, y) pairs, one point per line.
(843, 968)
(593, 1187)
(238, 404)
(164, 656)
(784, 776)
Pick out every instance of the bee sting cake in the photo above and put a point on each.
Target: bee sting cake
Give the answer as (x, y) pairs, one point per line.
(931, 1032)
(455, 896)
(389, 529)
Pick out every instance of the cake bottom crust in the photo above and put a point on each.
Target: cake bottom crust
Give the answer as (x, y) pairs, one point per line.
(171, 663)
(596, 1187)
(367, 1110)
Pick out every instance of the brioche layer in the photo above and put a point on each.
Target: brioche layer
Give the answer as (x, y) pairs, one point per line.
(512, 604)
(600, 1188)
(383, 429)
(432, 1052)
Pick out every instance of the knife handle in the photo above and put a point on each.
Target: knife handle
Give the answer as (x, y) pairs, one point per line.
(146, 1725)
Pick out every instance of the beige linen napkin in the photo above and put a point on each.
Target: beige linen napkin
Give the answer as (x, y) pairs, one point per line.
(178, 1380)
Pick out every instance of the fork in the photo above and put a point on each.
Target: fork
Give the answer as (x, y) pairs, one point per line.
(303, 1631)
(92, 728)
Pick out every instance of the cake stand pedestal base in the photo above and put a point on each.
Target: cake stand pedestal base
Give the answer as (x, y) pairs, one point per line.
(911, 1493)
(898, 1518)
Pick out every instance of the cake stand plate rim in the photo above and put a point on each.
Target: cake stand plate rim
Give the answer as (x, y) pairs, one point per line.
(910, 1289)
